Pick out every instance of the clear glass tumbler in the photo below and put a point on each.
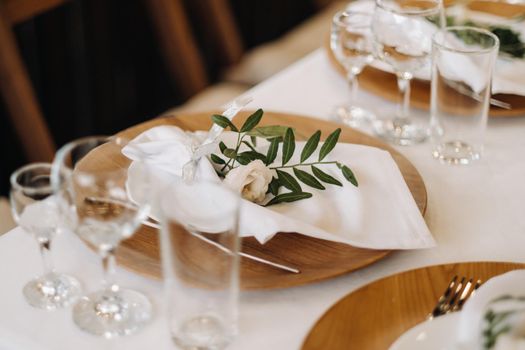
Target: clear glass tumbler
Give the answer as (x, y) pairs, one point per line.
(403, 33)
(352, 44)
(199, 246)
(40, 210)
(110, 196)
(463, 61)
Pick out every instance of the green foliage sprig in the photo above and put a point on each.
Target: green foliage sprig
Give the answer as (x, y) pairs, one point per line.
(282, 136)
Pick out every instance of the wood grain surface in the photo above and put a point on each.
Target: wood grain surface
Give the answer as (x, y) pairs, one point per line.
(317, 259)
(384, 84)
(373, 317)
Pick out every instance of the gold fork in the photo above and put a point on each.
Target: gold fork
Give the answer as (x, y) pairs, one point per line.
(455, 295)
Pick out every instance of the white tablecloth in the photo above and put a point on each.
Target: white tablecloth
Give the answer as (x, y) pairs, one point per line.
(475, 213)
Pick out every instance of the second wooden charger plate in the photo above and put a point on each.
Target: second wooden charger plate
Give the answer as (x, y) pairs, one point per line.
(317, 259)
(374, 316)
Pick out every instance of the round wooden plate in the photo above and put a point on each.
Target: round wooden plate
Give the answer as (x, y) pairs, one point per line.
(374, 316)
(384, 84)
(317, 259)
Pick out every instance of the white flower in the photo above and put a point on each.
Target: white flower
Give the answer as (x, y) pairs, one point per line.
(250, 180)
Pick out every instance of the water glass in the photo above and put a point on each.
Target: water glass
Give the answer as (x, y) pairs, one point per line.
(352, 44)
(463, 61)
(199, 246)
(40, 210)
(110, 196)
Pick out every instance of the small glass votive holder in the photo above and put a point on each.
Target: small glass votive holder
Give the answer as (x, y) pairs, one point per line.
(463, 60)
(199, 248)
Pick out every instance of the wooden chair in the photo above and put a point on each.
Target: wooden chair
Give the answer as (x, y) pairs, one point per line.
(15, 85)
(176, 38)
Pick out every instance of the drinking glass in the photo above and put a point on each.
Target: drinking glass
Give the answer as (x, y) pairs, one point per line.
(39, 210)
(110, 197)
(352, 45)
(199, 246)
(403, 32)
(463, 61)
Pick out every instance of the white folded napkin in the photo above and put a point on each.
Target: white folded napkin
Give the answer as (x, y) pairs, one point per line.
(502, 297)
(380, 213)
(505, 79)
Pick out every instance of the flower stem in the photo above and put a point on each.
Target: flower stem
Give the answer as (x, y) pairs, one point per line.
(301, 164)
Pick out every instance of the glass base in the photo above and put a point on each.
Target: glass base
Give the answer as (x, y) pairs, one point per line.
(112, 314)
(400, 131)
(204, 332)
(455, 152)
(52, 291)
(355, 117)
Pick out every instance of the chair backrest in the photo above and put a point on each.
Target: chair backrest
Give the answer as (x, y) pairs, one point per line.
(15, 85)
(177, 39)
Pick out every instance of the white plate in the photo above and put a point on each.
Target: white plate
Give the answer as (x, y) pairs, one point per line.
(436, 334)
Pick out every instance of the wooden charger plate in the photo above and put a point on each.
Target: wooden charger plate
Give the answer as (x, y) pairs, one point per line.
(384, 84)
(317, 259)
(374, 316)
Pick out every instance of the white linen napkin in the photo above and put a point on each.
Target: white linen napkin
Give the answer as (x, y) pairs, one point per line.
(505, 79)
(379, 214)
(504, 294)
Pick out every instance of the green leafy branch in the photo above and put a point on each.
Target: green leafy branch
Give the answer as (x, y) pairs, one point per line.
(496, 324)
(285, 137)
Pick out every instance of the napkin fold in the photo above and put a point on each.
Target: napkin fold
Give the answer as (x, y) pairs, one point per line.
(498, 306)
(379, 214)
(505, 79)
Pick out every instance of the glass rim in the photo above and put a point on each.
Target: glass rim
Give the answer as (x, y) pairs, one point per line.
(485, 32)
(410, 12)
(58, 162)
(31, 190)
(336, 19)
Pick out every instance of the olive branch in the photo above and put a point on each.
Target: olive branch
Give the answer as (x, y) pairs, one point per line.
(282, 136)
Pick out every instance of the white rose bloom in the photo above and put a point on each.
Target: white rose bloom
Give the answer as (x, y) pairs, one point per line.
(250, 180)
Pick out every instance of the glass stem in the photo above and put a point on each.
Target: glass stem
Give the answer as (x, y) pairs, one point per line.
(354, 85)
(45, 253)
(108, 264)
(403, 84)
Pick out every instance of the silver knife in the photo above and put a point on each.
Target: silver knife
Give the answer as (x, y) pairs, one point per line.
(152, 224)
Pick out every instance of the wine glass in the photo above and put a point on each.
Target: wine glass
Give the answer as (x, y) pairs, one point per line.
(39, 210)
(97, 179)
(403, 31)
(352, 44)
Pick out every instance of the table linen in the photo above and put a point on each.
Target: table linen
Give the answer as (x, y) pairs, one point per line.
(474, 212)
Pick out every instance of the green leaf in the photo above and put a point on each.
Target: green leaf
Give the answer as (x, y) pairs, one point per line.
(349, 175)
(222, 146)
(268, 132)
(223, 122)
(272, 151)
(216, 159)
(274, 185)
(252, 120)
(308, 179)
(288, 145)
(310, 145)
(321, 175)
(249, 146)
(253, 155)
(243, 159)
(230, 153)
(288, 181)
(254, 140)
(289, 197)
(329, 144)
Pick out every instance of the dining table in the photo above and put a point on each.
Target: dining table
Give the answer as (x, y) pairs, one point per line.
(475, 213)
